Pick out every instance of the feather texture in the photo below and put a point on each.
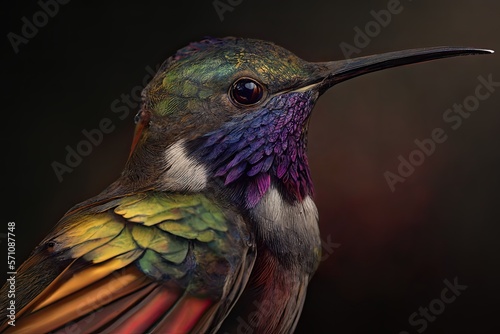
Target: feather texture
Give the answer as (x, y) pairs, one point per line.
(149, 262)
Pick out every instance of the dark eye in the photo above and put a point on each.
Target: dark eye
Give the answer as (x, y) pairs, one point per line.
(246, 91)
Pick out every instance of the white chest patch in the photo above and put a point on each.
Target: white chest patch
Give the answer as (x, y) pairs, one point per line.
(279, 218)
(183, 173)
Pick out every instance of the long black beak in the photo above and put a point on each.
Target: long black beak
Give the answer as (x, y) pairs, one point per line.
(331, 73)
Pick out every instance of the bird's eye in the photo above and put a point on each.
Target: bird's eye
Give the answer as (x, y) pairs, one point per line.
(246, 91)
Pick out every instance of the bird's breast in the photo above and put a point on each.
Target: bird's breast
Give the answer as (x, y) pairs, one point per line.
(289, 230)
(288, 252)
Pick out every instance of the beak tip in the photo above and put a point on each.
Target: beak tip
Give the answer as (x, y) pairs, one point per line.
(480, 50)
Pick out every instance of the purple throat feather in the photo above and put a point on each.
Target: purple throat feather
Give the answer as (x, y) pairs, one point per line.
(262, 148)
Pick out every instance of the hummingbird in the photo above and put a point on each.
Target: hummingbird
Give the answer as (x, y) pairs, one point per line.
(211, 226)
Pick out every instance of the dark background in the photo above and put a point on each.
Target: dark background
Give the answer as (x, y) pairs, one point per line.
(396, 248)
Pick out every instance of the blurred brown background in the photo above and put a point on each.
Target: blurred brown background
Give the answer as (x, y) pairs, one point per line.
(396, 248)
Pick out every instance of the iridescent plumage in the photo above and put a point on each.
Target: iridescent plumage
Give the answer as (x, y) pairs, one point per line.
(259, 146)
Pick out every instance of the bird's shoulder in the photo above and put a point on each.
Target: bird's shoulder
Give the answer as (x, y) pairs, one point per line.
(151, 227)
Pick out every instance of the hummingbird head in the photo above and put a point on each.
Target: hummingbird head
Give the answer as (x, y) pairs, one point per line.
(212, 81)
(232, 113)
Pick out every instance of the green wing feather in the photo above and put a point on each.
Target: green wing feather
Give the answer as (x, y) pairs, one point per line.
(183, 247)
